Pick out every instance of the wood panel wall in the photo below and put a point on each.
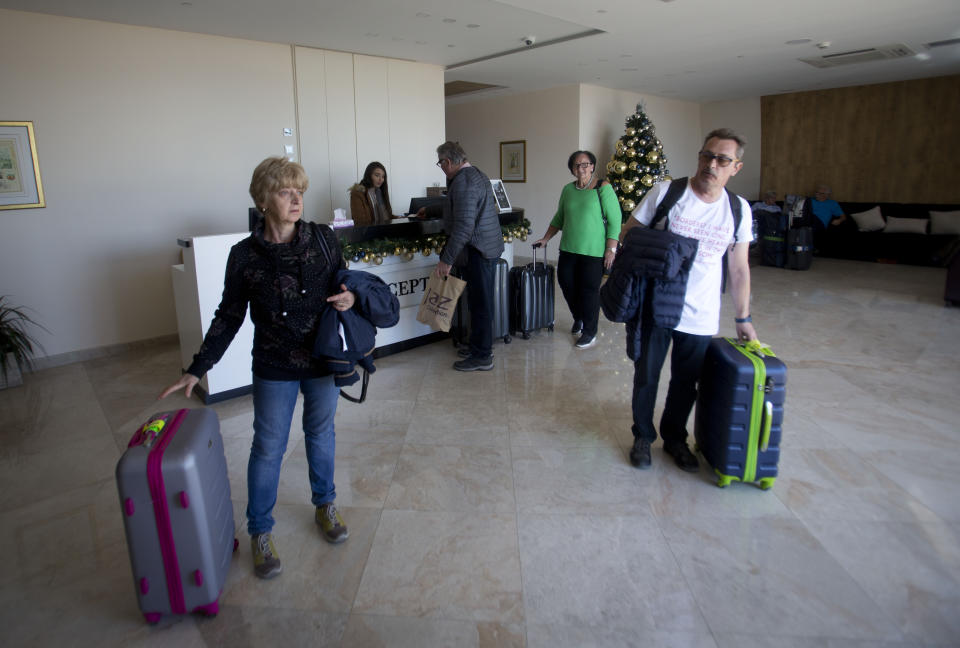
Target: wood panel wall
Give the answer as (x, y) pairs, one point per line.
(890, 142)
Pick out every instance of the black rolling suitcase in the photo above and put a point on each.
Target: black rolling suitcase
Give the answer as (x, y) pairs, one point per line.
(740, 412)
(951, 290)
(532, 303)
(460, 329)
(773, 239)
(799, 248)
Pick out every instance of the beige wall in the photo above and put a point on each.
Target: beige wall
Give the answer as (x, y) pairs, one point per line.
(146, 135)
(547, 120)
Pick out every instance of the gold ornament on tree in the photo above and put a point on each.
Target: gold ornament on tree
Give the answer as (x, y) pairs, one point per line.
(620, 166)
(652, 157)
(647, 180)
(631, 152)
(631, 132)
(633, 165)
(629, 205)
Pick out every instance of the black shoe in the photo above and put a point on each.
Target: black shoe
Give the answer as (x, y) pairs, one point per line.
(640, 453)
(682, 456)
(586, 341)
(474, 363)
(577, 328)
(463, 351)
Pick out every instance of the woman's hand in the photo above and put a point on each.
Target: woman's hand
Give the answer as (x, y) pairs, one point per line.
(342, 301)
(608, 256)
(540, 242)
(186, 380)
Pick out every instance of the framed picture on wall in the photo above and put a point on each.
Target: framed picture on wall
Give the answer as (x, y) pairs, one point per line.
(513, 161)
(20, 184)
(500, 193)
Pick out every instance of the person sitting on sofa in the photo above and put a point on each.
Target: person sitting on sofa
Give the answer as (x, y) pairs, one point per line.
(826, 213)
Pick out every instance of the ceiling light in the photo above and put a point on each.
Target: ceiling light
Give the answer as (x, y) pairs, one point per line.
(799, 41)
(422, 14)
(824, 44)
(472, 26)
(923, 56)
(449, 20)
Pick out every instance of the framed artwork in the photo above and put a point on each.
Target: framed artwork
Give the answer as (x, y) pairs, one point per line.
(513, 161)
(500, 193)
(20, 184)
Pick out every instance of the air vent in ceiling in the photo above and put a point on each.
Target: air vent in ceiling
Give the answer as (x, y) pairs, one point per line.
(944, 43)
(886, 52)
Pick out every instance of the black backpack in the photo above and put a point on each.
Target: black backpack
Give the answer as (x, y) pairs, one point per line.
(674, 191)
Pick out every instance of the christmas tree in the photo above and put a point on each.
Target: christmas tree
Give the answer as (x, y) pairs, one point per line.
(639, 162)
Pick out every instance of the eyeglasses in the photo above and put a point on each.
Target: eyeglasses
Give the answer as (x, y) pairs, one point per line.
(583, 165)
(722, 160)
(440, 162)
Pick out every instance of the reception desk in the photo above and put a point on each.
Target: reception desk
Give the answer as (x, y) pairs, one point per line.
(198, 285)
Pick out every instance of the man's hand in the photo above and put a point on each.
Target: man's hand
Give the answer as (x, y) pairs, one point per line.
(745, 332)
(442, 269)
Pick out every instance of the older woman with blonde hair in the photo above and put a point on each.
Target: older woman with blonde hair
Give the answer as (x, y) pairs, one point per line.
(285, 273)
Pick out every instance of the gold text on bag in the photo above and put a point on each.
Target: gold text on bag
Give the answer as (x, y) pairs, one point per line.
(439, 301)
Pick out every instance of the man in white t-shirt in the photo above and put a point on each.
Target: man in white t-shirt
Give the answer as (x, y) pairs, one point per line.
(702, 212)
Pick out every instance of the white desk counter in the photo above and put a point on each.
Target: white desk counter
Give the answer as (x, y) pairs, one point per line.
(198, 286)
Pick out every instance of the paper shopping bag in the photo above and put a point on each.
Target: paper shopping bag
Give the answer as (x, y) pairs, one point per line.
(439, 300)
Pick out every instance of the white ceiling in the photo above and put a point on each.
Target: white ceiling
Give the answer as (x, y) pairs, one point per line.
(696, 50)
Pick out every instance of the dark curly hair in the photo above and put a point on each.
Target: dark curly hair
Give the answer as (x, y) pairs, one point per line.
(573, 157)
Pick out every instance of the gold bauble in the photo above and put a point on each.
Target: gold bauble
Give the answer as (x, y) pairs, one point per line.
(427, 251)
(620, 167)
(523, 237)
(629, 187)
(667, 177)
(366, 258)
(632, 142)
(652, 157)
(408, 256)
(633, 165)
(509, 239)
(631, 152)
(631, 132)
(378, 260)
(610, 166)
(621, 198)
(397, 250)
(629, 205)
(647, 180)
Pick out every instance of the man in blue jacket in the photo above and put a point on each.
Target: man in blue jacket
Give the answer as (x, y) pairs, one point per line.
(702, 212)
(474, 241)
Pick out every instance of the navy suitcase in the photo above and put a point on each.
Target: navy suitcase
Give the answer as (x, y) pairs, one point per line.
(773, 239)
(177, 513)
(532, 304)
(799, 248)
(460, 328)
(739, 415)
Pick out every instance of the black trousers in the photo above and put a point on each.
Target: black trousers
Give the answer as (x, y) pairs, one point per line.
(579, 277)
(686, 362)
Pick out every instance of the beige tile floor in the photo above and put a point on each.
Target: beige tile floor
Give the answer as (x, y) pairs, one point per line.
(499, 509)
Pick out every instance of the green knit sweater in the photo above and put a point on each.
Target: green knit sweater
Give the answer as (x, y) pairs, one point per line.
(579, 217)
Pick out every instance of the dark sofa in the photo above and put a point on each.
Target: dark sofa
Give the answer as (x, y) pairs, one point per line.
(845, 241)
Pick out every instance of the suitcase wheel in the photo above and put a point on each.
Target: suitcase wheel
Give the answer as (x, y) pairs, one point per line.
(767, 483)
(152, 617)
(550, 328)
(524, 335)
(209, 610)
(724, 481)
(236, 543)
(506, 339)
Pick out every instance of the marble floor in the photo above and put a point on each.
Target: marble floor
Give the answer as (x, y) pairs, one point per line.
(499, 508)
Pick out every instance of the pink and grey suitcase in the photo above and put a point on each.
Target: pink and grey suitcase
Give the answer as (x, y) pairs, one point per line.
(739, 416)
(177, 512)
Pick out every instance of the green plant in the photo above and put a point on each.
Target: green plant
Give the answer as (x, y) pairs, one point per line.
(15, 340)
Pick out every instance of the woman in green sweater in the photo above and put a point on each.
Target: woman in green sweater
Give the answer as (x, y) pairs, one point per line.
(589, 216)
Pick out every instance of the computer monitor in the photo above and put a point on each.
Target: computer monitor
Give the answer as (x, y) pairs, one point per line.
(427, 201)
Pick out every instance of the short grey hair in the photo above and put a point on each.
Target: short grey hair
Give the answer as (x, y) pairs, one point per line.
(727, 134)
(452, 151)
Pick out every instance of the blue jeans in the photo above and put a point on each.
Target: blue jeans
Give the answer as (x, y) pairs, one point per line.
(273, 404)
(479, 275)
(686, 362)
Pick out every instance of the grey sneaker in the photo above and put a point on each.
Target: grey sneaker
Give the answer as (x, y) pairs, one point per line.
(474, 363)
(266, 562)
(331, 524)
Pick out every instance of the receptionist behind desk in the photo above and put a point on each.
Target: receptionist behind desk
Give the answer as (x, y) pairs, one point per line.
(370, 198)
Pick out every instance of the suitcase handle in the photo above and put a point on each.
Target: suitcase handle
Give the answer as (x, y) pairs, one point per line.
(767, 425)
(535, 246)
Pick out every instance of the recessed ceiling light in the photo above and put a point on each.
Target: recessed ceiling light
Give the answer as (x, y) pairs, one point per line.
(451, 45)
(923, 56)
(472, 26)
(629, 69)
(799, 41)
(449, 20)
(422, 14)
(601, 11)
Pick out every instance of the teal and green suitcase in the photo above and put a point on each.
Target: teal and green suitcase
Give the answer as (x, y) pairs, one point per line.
(739, 418)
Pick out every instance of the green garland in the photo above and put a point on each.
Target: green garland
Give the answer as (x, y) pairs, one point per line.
(376, 250)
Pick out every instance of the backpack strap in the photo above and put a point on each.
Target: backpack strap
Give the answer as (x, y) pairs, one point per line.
(674, 191)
